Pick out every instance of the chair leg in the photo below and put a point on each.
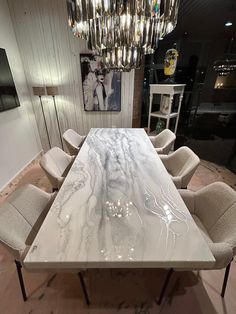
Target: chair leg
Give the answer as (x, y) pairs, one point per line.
(22, 285)
(84, 288)
(170, 272)
(225, 280)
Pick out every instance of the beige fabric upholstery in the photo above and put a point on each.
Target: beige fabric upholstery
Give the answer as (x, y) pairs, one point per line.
(56, 164)
(181, 165)
(213, 208)
(21, 217)
(73, 141)
(163, 141)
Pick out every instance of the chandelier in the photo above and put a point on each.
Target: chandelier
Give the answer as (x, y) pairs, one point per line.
(122, 31)
(224, 67)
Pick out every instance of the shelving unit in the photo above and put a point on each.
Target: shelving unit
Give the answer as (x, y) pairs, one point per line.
(167, 92)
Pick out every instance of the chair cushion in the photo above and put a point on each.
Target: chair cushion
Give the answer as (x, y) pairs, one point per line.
(30, 202)
(21, 216)
(14, 230)
(216, 207)
(222, 252)
(202, 229)
(73, 141)
(55, 163)
(163, 141)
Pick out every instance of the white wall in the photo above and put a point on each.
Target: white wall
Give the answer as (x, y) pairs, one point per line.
(51, 56)
(19, 139)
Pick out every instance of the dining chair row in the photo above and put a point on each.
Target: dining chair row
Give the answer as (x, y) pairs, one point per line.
(180, 164)
(23, 213)
(56, 163)
(213, 208)
(21, 217)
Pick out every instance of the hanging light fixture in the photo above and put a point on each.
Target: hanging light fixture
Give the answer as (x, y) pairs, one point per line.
(121, 31)
(224, 67)
(169, 16)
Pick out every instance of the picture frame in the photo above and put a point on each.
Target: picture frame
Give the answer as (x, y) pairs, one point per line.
(101, 87)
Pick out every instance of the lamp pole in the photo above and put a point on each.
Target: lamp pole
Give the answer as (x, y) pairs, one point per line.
(40, 91)
(59, 129)
(46, 127)
(53, 91)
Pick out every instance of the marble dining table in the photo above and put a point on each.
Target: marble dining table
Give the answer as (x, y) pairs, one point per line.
(118, 208)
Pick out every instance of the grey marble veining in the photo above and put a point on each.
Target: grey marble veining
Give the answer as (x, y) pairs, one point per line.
(118, 207)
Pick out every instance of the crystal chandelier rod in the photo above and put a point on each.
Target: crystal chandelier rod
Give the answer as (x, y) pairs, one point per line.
(122, 30)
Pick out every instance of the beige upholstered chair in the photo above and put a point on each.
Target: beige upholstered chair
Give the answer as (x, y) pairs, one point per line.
(163, 141)
(20, 219)
(181, 166)
(56, 164)
(73, 141)
(213, 209)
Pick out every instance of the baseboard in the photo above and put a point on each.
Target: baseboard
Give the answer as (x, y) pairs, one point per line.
(19, 173)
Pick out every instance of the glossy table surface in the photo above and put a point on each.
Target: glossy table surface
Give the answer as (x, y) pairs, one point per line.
(118, 208)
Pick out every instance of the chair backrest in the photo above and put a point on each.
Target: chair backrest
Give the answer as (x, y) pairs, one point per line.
(21, 217)
(55, 163)
(165, 140)
(72, 140)
(183, 163)
(215, 205)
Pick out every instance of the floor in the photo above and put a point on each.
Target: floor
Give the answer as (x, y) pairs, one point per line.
(117, 291)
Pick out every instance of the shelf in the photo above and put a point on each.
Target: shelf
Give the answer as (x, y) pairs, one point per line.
(159, 114)
(170, 89)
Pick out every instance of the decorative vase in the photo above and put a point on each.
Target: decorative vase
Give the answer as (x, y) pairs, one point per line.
(160, 126)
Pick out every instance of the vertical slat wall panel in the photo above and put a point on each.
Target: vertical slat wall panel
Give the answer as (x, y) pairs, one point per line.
(51, 56)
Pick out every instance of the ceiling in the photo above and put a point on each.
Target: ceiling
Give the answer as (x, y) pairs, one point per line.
(206, 19)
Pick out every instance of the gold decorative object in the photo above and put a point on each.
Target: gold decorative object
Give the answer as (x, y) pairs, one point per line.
(170, 63)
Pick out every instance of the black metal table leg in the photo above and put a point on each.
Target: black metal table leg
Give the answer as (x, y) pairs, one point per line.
(170, 272)
(225, 280)
(22, 285)
(84, 288)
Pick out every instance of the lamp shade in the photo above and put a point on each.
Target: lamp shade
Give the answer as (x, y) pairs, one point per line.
(39, 91)
(52, 90)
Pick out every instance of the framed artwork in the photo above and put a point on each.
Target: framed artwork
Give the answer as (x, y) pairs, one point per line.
(101, 87)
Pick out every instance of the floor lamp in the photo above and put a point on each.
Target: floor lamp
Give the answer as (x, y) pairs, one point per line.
(40, 91)
(53, 91)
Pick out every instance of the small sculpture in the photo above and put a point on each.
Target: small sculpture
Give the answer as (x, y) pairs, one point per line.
(170, 65)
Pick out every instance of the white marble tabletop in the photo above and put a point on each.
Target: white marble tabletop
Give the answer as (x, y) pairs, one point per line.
(118, 208)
